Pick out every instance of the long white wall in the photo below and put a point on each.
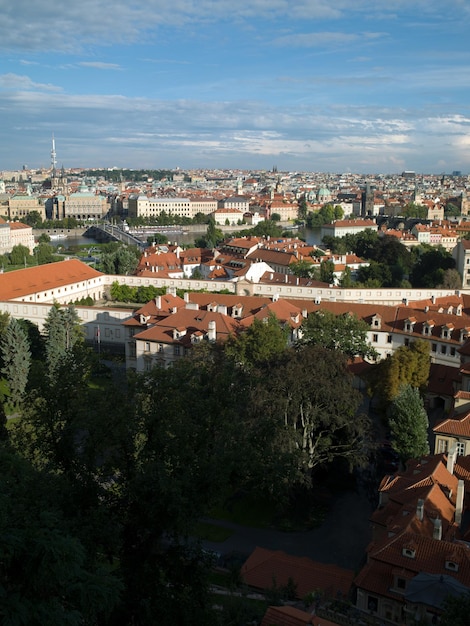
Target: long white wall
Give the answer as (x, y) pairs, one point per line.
(104, 323)
(384, 296)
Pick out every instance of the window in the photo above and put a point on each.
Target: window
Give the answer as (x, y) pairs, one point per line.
(406, 342)
(443, 349)
(434, 347)
(461, 448)
(452, 352)
(401, 583)
(389, 338)
(176, 350)
(442, 446)
(375, 338)
(372, 604)
(147, 346)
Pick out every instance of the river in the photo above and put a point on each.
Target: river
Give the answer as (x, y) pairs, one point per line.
(311, 236)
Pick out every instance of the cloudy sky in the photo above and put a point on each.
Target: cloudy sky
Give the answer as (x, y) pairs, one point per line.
(309, 85)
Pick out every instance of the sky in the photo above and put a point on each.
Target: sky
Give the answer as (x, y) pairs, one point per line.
(302, 85)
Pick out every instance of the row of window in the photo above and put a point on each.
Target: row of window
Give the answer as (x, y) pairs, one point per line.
(434, 347)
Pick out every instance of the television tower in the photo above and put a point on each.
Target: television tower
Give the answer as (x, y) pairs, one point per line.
(53, 157)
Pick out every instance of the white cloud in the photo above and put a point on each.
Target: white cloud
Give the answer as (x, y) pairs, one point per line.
(100, 65)
(15, 81)
(55, 25)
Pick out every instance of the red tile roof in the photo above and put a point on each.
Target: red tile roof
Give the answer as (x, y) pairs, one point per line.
(264, 566)
(286, 616)
(456, 427)
(14, 285)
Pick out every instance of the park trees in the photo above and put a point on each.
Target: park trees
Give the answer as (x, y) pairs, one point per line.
(345, 333)
(408, 423)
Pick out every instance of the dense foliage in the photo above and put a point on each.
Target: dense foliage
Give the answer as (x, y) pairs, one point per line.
(112, 476)
(408, 423)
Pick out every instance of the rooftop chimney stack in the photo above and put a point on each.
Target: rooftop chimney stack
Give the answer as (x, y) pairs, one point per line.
(437, 532)
(459, 502)
(451, 458)
(420, 509)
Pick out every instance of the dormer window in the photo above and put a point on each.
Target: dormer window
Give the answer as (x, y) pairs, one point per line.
(377, 321)
(427, 327)
(409, 324)
(452, 566)
(446, 331)
(409, 552)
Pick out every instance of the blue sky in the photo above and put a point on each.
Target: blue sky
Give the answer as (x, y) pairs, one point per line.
(306, 85)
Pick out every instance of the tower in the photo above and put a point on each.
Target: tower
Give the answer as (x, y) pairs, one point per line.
(367, 201)
(53, 165)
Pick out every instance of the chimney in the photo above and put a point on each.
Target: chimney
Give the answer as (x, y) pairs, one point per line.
(158, 302)
(433, 299)
(211, 331)
(304, 313)
(451, 458)
(459, 502)
(437, 532)
(420, 509)
(186, 296)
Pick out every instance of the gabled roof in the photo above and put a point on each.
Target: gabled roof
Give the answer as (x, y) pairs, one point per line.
(264, 566)
(457, 426)
(192, 321)
(14, 285)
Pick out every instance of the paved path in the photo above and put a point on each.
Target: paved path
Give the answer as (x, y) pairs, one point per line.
(341, 539)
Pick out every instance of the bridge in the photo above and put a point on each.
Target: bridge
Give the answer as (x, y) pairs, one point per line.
(110, 232)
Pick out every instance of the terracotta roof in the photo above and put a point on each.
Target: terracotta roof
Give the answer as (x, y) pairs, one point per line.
(30, 280)
(264, 566)
(286, 616)
(457, 427)
(192, 321)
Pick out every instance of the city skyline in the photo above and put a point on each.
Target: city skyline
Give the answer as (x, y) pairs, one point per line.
(307, 86)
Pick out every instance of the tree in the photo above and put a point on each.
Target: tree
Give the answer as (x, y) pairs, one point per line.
(16, 358)
(409, 423)
(308, 394)
(305, 269)
(302, 209)
(33, 219)
(451, 279)
(46, 574)
(20, 255)
(327, 272)
(44, 253)
(345, 333)
(260, 342)
(62, 332)
(408, 365)
(430, 267)
(456, 610)
(275, 217)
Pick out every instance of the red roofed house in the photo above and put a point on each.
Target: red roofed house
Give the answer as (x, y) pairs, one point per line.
(419, 551)
(265, 566)
(13, 234)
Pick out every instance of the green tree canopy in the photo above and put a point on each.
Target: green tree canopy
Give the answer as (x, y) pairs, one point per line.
(16, 358)
(260, 342)
(309, 393)
(430, 268)
(345, 333)
(408, 423)
(408, 365)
